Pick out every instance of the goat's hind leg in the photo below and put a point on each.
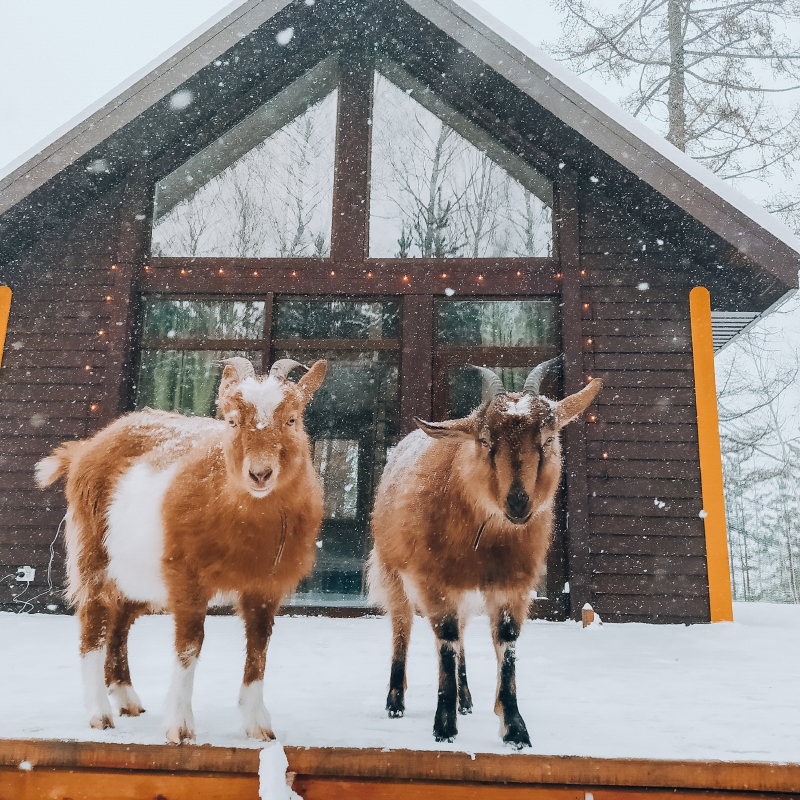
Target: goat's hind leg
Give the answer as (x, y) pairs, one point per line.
(402, 618)
(93, 620)
(464, 696)
(122, 615)
(446, 629)
(259, 617)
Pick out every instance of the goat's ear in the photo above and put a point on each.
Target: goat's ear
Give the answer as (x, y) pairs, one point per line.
(571, 406)
(312, 380)
(450, 429)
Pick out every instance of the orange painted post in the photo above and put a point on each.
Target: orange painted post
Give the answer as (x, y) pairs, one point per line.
(5, 310)
(705, 388)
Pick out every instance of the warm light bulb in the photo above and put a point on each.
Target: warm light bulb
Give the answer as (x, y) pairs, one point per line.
(113, 266)
(586, 305)
(480, 277)
(558, 274)
(518, 273)
(108, 297)
(147, 268)
(101, 333)
(294, 274)
(593, 418)
(332, 272)
(369, 274)
(588, 341)
(405, 278)
(183, 272)
(255, 274)
(444, 274)
(583, 272)
(87, 367)
(605, 455)
(94, 407)
(221, 272)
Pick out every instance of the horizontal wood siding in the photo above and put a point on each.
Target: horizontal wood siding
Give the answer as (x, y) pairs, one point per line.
(647, 542)
(52, 373)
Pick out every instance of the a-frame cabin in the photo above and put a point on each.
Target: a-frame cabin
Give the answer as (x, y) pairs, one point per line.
(403, 187)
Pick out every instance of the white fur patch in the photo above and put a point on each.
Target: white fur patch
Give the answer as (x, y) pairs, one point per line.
(94, 688)
(266, 396)
(124, 697)
(179, 720)
(255, 717)
(405, 456)
(135, 535)
(519, 408)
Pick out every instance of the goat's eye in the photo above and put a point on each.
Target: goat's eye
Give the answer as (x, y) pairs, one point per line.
(548, 442)
(232, 423)
(291, 421)
(483, 442)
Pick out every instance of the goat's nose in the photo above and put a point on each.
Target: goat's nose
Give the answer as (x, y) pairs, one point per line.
(262, 477)
(517, 501)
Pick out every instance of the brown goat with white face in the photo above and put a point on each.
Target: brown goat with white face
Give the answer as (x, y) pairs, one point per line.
(166, 512)
(464, 506)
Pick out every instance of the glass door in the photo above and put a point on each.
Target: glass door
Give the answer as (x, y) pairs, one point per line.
(509, 337)
(353, 420)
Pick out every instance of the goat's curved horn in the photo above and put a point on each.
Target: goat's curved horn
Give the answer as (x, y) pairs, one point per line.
(492, 385)
(241, 366)
(281, 369)
(534, 379)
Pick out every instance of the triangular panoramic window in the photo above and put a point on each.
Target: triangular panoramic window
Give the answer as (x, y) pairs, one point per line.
(263, 189)
(442, 187)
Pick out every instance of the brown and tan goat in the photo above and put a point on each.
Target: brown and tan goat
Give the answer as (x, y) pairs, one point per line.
(464, 506)
(166, 512)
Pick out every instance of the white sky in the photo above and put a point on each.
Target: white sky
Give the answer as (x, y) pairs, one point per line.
(59, 56)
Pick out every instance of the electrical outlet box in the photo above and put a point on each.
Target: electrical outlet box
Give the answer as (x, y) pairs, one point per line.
(26, 574)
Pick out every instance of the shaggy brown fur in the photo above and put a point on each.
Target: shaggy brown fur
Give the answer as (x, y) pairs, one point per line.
(238, 513)
(469, 510)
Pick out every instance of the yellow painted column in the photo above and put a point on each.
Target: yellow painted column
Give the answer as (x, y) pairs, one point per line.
(705, 388)
(5, 310)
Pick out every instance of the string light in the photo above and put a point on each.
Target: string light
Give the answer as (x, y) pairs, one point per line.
(255, 274)
(558, 274)
(93, 407)
(583, 272)
(332, 272)
(405, 278)
(444, 274)
(113, 266)
(518, 273)
(480, 277)
(147, 268)
(588, 341)
(592, 418)
(108, 297)
(221, 271)
(605, 455)
(586, 305)
(101, 333)
(183, 272)
(294, 274)
(87, 367)
(369, 274)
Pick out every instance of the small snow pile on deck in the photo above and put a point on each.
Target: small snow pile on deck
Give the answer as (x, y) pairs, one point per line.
(272, 766)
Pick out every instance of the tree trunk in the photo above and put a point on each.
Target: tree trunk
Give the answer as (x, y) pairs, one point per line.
(677, 11)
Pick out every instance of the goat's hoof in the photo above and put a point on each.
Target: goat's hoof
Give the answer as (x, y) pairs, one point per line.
(101, 721)
(442, 738)
(261, 733)
(465, 704)
(180, 735)
(395, 704)
(126, 700)
(516, 734)
(444, 727)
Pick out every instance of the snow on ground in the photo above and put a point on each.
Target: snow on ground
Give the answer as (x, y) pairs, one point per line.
(724, 691)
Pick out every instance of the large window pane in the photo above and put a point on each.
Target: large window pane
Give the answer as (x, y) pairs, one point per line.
(442, 187)
(337, 319)
(182, 380)
(166, 318)
(264, 188)
(497, 323)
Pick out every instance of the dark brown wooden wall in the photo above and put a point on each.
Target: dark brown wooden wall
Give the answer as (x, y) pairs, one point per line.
(58, 308)
(648, 559)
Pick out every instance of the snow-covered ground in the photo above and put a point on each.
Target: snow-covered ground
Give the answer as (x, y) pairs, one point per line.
(724, 691)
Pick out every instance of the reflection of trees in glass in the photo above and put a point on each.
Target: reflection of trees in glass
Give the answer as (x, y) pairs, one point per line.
(336, 463)
(434, 194)
(337, 319)
(208, 319)
(181, 380)
(274, 201)
(497, 323)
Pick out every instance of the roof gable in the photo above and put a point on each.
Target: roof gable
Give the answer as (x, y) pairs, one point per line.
(251, 28)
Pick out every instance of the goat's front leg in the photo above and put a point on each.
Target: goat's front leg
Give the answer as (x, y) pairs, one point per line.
(189, 632)
(259, 616)
(446, 630)
(464, 696)
(506, 619)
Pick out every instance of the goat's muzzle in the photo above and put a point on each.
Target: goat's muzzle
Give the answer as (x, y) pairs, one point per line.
(260, 477)
(518, 504)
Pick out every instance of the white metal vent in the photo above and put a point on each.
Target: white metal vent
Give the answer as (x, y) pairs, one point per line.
(727, 324)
